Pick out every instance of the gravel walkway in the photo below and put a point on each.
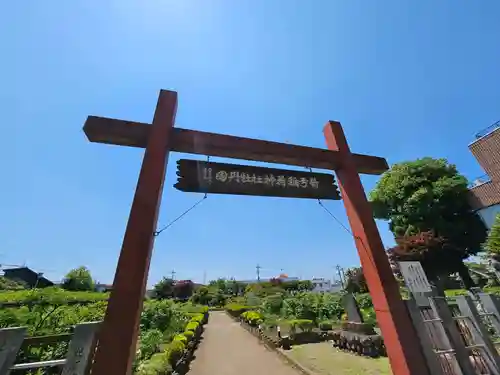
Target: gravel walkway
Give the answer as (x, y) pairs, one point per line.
(227, 349)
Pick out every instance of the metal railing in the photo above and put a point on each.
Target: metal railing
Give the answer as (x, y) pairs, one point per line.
(479, 181)
(488, 130)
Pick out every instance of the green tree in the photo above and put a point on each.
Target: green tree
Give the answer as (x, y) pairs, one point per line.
(492, 244)
(305, 285)
(7, 284)
(492, 247)
(164, 288)
(79, 279)
(355, 280)
(183, 289)
(430, 196)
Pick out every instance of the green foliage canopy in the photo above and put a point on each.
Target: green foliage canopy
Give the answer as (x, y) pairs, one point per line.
(79, 279)
(492, 244)
(429, 195)
(164, 288)
(355, 280)
(7, 284)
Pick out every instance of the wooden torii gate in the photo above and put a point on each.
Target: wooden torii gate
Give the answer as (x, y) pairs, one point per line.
(118, 336)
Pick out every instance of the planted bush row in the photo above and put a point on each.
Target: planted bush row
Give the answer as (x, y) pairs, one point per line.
(235, 309)
(176, 355)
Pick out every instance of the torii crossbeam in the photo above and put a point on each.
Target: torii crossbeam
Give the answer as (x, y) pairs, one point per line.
(118, 336)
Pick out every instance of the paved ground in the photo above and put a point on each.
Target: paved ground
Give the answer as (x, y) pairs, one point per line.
(227, 349)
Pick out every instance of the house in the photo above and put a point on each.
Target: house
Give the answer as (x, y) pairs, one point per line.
(319, 284)
(27, 276)
(282, 277)
(99, 287)
(322, 285)
(485, 191)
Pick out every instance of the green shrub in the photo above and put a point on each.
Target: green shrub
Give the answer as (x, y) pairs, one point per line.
(195, 309)
(364, 301)
(492, 290)
(158, 364)
(305, 325)
(192, 326)
(149, 343)
(369, 316)
(254, 318)
(455, 292)
(236, 309)
(189, 335)
(182, 338)
(326, 325)
(175, 350)
(198, 318)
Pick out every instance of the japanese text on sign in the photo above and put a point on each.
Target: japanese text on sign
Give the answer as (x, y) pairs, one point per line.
(415, 277)
(268, 179)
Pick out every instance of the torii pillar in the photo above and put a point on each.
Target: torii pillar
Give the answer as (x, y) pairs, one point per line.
(400, 339)
(118, 334)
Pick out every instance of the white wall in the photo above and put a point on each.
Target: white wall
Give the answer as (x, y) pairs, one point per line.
(488, 214)
(323, 285)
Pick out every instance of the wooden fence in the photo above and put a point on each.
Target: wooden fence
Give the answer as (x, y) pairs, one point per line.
(458, 338)
(82, 343)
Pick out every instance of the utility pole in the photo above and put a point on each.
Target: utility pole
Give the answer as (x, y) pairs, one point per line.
(340, 272)
(173, 274)
(258, 272)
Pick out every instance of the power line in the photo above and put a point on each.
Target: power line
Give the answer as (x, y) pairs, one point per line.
(157, 233)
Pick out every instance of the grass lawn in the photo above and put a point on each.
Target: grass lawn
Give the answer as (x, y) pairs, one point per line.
(323, 359)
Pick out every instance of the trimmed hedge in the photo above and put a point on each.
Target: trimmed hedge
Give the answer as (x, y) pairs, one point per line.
(305, 325)
(235, 309)
(325, 326)
(253, 318)
(177, 353)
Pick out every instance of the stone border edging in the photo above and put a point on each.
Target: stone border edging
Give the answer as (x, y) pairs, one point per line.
(281, 354)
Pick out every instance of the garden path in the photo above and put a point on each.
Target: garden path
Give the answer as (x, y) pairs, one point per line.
(228, 349)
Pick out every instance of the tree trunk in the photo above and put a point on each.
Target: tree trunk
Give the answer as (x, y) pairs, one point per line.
(463, 271)
(437, 286)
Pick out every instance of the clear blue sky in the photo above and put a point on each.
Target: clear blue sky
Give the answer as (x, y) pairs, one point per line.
(407, 79)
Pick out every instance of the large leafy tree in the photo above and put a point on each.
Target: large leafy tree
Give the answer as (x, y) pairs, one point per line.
(79, 279)
(164, 288)
(429, 196)
(183, 289)
(355, 281)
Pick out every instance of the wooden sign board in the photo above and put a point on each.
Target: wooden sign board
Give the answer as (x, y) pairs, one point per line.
(220, 178)
(415, 277)
(417, 283)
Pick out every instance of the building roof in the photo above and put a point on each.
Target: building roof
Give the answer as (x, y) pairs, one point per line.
(27, 275)
(485, 191)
